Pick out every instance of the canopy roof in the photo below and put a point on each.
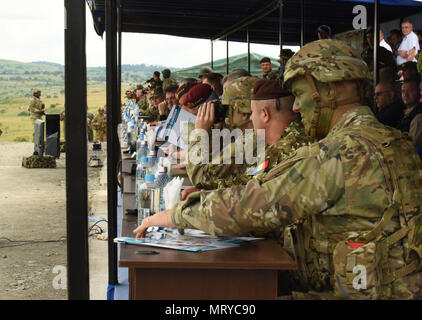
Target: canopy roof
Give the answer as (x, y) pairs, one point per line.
(235, 62)
(210, 19)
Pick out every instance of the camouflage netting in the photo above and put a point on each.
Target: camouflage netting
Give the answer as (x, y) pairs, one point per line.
(39, 162)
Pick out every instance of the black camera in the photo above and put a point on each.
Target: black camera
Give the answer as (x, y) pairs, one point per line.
(220, 111)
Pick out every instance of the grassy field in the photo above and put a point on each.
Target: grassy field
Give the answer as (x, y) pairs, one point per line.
(17, 80)
(14, 117)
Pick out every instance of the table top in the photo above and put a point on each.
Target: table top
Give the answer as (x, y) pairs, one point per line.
(257, 255)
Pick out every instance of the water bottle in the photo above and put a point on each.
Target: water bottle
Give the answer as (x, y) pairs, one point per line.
(141, 148)
(153, 161)
(161, 181)
(140, 177)
(148, 198)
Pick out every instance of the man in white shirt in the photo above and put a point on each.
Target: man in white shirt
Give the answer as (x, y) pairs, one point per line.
(384, 43)
(409, 46)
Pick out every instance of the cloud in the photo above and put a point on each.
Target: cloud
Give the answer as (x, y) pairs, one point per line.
(34, 31)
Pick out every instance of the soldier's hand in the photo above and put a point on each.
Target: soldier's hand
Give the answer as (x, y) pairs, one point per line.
(205, 117)
(162, 108)
(188, 191)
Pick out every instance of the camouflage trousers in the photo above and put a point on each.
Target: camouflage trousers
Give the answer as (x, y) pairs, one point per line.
(100, 135)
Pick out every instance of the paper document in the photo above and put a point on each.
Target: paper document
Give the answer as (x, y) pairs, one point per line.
(192, 240)
(177, 127)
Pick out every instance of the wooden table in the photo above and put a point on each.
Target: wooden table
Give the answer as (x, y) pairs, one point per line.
(246, 272)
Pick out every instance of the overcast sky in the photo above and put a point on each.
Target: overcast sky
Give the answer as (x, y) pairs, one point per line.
(33, 30)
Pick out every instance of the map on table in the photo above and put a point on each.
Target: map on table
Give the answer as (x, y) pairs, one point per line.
(192, 240)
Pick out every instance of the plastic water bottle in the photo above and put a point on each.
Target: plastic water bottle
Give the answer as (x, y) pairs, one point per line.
(148, 198)
(141, 148)
(153, 161)
(161, 181)
(140, 177)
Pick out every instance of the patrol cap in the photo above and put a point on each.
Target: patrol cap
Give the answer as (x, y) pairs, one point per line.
(36, 91)
(196, 95)
(265, 59)
(204, 70)
(183, 89)
(268, 89)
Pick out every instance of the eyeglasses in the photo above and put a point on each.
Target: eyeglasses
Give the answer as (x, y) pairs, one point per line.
(377, 94)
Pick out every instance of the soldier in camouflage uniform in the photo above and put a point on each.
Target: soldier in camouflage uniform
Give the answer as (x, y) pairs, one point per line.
(36, 109)
(286, 127)
(347, 204)
(167, 80)
(99, 123)
(266, 67)
(156, 97)
(208, 175)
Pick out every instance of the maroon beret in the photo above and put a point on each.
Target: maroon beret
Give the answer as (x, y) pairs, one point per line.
(268, 89)
(196, 95)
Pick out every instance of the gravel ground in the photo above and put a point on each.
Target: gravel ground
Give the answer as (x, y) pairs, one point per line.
(33, 253)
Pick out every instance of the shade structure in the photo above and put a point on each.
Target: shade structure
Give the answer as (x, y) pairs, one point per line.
(211, 19)
(236, 62)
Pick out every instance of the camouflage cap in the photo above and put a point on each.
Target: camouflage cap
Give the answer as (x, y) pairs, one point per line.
(157, 92)
(237, 94)
(166, 73)
(327, 61)
(204, 70)
(36, 91)
(139, 86)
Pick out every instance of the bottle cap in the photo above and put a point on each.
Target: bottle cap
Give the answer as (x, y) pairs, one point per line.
(144, 159)
(149, 177)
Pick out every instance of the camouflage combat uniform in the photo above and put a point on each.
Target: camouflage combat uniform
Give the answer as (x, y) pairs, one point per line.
(208, 175)
(99, 123)
(227, 175)
(167, 80)
(272, 75)
(354, 198)
(36, 109)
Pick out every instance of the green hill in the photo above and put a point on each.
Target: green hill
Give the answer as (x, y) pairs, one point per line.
(17, 79)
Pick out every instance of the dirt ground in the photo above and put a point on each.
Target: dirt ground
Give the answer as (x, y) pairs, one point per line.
(33, 253)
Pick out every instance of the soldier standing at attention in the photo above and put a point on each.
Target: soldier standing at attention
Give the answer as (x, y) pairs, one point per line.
(352, 200)
(36, 109)
(99, 123)
(267, 71)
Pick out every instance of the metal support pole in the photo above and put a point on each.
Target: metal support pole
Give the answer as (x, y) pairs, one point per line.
(249, 50)
(113, 109)
(280, 27)
(212, 54)
(227, 55)
(119, 60)
(376, 41)
(302, 23)
(76, 151)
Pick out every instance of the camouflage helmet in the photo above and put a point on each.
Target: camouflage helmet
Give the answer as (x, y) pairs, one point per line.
(36, 91)
(327, 61)
(204, 70)
(237, 94)
(166, 73)
(156, 92)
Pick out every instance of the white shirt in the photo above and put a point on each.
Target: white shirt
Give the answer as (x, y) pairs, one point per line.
(408, 43)
(384, 44)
